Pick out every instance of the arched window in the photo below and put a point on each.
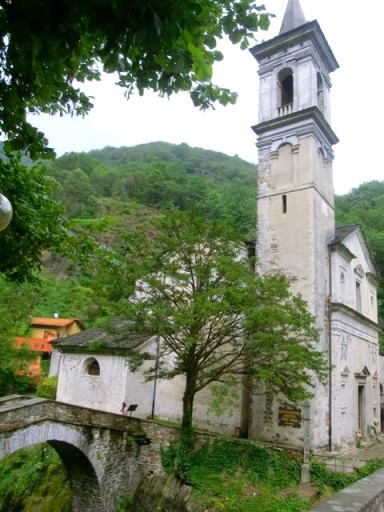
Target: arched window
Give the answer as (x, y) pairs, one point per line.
(285, 91)
(342, 278)
(92, 366)
(320, 93)
(372, 300)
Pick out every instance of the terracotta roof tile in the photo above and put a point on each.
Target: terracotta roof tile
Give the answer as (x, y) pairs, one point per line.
(35, 344)
(55, 322)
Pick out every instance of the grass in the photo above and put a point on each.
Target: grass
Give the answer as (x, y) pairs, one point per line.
(233, 476)
(238, 475)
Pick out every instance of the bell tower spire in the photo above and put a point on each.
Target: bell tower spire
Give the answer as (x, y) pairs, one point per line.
(293, 17)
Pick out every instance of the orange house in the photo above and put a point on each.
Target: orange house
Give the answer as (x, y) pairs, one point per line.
(55, 327)
(44, 330)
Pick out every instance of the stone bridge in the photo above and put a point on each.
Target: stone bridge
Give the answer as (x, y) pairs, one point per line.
(105, 454)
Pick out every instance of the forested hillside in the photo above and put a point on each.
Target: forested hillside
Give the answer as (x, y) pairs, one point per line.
(158, 175)
(365, 206)
(113, 196)
(114, 192)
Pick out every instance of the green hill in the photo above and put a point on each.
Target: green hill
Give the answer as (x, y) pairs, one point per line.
(113, 191)
(159, 175)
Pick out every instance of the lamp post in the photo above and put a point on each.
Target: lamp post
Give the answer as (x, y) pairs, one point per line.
(305, 476)
(5, 212)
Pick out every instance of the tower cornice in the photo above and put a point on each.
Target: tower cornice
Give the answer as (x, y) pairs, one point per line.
(310, 30)
(301, 123)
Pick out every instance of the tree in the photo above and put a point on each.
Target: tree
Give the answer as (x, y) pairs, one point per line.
(47, 49)
(37, 223)
(217, 319)
(15, 304)
(77, 194)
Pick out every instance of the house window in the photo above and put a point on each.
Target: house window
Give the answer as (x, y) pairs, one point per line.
(92, 367)
(320, 93)
(284, 204)
(358, 296)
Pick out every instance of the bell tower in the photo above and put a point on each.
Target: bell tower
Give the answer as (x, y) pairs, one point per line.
(295, 212)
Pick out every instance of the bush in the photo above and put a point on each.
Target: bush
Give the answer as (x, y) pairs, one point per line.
(47, 387)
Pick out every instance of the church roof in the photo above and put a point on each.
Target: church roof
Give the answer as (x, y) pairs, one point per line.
(96, 339)
(55, 322)
(293, 17)
(342, 232)
(302, 33)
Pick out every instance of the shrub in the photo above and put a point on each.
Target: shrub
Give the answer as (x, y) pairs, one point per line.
(47, 388)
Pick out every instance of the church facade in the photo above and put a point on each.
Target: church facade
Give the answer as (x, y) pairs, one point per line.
(330, 267)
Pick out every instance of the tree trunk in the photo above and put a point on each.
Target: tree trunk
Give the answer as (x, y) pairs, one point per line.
(186, 436)
(187, 419)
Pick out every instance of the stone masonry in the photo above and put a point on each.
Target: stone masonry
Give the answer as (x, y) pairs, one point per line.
(105, 455)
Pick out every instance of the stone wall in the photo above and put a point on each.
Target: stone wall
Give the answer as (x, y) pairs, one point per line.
(366, 495)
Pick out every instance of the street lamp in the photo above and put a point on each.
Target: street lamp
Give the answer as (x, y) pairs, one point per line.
(5, 212)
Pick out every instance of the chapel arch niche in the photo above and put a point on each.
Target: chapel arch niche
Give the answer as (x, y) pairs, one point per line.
(284, 89)
(92, 367)
(284, 165)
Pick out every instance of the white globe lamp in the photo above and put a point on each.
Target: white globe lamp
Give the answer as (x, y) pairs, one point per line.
(5, 212)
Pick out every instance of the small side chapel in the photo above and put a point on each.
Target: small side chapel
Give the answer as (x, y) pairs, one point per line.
(331, 267)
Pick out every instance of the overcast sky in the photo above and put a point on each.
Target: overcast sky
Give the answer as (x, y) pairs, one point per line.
(355, 34)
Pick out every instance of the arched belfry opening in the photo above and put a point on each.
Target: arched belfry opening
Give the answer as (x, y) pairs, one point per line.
(320, 93)
(285, 91)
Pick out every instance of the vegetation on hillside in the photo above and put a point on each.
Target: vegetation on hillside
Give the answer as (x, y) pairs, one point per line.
(158, 175)
(15, 306)
(127, 189)
(234, 475)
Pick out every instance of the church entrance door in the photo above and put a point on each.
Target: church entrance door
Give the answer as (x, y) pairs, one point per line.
(361, 408)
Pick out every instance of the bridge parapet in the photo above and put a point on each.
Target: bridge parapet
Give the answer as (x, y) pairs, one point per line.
(17, 412)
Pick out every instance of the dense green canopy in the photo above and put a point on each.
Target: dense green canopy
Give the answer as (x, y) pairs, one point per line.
(48, 48)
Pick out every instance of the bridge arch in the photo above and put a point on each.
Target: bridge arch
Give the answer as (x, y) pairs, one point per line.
(84, 472)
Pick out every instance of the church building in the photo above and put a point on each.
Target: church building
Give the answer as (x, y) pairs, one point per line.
(296, 234)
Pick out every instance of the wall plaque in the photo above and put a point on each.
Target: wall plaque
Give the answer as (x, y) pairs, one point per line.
(289, 417)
